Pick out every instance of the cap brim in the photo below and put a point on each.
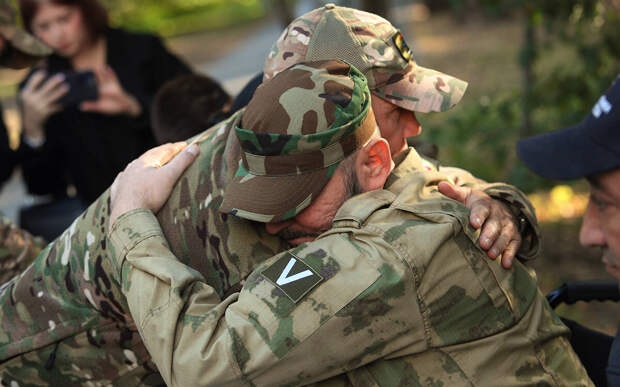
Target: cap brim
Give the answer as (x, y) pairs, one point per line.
(423, 90)
(272, 199)
(564, 154)
(28, 49)
(25, 42)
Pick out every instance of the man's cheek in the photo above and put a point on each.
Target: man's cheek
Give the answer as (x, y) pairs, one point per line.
(611, 261)
(613, 271)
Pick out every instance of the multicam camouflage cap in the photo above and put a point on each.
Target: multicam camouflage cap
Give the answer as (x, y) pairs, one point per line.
(293, 135)
(28, 48)
(375, 47)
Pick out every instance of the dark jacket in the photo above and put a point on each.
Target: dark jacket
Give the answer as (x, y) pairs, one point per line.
(613, 365)
(89, 149)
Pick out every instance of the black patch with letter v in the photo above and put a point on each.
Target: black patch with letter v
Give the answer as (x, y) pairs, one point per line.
(293, 276)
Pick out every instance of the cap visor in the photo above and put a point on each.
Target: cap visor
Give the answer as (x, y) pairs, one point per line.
(28, 44)
(565, 154)
(424, 90)
(27, 49)
(272, 199)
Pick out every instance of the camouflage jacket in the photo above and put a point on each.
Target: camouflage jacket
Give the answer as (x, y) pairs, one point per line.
(66, 315)
(399, 276)
(17, 249)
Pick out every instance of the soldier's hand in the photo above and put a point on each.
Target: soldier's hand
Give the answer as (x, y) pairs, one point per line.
(500, 231)
(148, 180)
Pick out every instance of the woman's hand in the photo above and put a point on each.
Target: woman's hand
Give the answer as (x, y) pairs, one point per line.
(113, 99)
(39, 100)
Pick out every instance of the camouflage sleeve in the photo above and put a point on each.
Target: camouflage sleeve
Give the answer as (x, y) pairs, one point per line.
(328, 294)
(64, 317)
(517, 202)
(17, 249)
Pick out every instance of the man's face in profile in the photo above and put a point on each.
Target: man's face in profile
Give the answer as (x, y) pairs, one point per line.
(601, 222)
(318, 216)
(395, 123)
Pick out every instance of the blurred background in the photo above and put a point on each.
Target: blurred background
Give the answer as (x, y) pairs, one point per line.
(532, 66)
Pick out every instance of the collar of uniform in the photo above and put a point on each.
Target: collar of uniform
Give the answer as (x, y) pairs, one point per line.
(355, 211)
(406, 162)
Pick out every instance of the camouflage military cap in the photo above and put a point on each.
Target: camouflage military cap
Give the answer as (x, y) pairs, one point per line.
(375, 47)
(294, 133)
(28, 49)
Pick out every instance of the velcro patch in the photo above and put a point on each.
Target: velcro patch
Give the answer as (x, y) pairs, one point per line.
(293, 276)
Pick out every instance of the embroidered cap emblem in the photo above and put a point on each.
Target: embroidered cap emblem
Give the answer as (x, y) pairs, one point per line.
(402, 46)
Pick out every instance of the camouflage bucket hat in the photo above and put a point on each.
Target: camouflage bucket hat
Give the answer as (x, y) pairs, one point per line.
(28, 49)
(293, 134)
(375, 47)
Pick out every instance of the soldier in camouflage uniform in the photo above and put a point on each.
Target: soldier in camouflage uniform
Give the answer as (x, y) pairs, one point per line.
(394, 292)
(66, 318)
(18, 49)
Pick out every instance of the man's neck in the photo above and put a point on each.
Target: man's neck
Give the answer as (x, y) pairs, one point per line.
(405, 162)
(400, 156)
(93, 56)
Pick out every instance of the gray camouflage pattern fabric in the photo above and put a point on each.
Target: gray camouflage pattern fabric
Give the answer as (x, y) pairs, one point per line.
(291, 150)
(405, 298)
(372, 45)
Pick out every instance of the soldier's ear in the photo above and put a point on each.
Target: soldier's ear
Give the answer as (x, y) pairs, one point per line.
(374, 164)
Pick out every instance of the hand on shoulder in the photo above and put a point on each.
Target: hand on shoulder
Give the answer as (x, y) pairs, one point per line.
(148, 181)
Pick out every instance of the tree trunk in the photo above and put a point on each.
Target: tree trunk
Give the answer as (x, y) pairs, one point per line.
(378, 7)
(285, 11)
(528, 56)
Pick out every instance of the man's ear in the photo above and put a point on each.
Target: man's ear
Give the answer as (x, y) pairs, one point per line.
(374, 164)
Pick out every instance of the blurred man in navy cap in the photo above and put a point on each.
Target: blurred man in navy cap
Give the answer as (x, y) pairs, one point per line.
(590, 149)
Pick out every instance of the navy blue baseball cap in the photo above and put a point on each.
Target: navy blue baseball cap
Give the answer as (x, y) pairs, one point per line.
(589, 147)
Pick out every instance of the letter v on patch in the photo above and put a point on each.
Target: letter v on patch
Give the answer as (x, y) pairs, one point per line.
(293, 276)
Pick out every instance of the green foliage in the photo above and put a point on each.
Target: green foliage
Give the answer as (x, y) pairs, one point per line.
(593, 53)
(481, 138)
(570, 55)
(173, 17)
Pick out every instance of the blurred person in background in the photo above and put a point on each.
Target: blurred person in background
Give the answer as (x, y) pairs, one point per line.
(18, 49)
(85, 144)
(590, 149)
(186, 106)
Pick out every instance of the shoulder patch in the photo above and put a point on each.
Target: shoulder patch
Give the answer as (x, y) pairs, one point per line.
(293, 276)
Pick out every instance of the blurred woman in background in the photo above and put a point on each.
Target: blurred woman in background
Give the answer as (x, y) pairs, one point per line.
(86, 144)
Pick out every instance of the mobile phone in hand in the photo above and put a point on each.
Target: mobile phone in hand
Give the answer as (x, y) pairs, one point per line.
(82, 87)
